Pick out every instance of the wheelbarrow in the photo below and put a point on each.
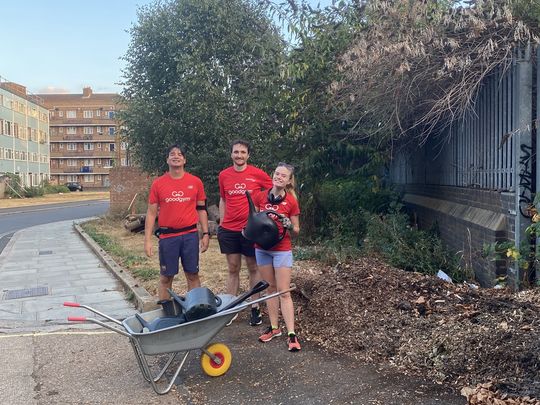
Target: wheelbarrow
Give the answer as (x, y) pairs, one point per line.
(216, 358)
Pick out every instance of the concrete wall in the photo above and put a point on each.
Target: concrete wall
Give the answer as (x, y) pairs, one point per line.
(467, 219)
(125, 183)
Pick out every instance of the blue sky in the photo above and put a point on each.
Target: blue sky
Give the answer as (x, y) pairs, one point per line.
(58, 46)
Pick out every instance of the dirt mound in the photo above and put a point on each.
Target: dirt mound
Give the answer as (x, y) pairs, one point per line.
(455, 334)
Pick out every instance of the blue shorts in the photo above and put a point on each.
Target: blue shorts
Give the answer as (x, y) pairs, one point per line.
(184, 247)
(274, 257)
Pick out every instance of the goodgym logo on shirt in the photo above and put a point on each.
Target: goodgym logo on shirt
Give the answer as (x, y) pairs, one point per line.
(177, 196)
(239, 188)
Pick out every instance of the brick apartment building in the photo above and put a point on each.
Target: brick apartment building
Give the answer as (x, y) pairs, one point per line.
(84, 137)
(24, 134)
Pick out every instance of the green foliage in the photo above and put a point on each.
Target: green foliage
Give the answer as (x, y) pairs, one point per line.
(49, 188)
(410, 249)
(30, 192)
(200, 73)
(15, 190)
(145, 273)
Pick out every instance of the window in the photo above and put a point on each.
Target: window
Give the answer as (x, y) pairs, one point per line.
(51, 114)
(123, 146)
(7, 128)
(88, 178)
(61, 130)
(98, 177)
(98, 162)
(109, 163)
(72, 162)
(123, 162)
(61, 146)
(71, 146)
(111, 147)
(71, 178)
(88, 114)
(88, 146)
(99, 130)
(71, 130)
(111, 130)
(88, 162)
(99, 145)
(60, 114)
(71, 114)
(110, 115)
(98, 113)
(88, 130)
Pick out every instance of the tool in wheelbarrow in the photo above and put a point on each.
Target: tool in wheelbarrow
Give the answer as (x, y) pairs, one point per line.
(198, 303)
(216, 358)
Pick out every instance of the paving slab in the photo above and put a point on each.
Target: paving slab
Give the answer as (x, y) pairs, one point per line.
(34, 257)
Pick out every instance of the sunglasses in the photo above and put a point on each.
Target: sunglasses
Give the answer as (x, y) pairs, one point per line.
(286, 166)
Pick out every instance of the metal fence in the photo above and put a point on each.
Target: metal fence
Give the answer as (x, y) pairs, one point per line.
(482, 149)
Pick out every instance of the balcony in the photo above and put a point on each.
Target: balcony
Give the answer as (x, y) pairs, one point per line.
(73, 122)
(80, 170)
(72, 154)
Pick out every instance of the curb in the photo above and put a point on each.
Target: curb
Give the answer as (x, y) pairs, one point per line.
(143, 300)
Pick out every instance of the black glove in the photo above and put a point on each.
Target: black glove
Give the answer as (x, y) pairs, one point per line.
(286, 222)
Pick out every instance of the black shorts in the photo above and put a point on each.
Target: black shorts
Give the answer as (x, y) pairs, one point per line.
(231, 242)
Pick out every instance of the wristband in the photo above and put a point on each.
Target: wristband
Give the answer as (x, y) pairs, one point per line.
(206, 233)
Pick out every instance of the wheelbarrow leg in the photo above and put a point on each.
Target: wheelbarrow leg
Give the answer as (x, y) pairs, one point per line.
(147, 373)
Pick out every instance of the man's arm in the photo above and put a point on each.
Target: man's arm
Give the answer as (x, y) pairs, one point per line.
(221, 209)
(151, 215)
(203, 220)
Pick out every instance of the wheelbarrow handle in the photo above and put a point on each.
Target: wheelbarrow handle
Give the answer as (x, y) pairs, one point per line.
(98, 322)
(260, 286)
(95, 311)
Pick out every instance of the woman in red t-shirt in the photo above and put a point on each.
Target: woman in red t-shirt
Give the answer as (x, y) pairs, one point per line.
(275, 264)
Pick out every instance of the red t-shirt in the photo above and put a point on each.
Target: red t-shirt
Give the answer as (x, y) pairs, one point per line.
(288, 207)
(232, 188)
(176, 199)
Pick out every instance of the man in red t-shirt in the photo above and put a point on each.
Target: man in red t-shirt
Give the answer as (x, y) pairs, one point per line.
(180, 199)
(234, 182)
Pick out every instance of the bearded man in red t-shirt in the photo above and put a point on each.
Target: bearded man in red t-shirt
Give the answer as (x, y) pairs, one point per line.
(180, 199)
(234, 182)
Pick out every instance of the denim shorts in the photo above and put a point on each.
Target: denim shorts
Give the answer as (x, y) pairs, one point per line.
(274, 257)
(172, 250)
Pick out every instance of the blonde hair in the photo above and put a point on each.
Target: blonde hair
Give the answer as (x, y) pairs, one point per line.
(291, 187)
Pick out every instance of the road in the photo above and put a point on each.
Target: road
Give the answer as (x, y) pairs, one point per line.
(14, 219)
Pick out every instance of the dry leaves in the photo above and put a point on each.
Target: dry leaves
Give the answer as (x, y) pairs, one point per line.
(451, 333)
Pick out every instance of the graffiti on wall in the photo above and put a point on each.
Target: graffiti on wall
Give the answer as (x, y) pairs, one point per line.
(525, 180)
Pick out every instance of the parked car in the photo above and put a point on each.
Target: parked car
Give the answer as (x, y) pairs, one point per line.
(74, 186)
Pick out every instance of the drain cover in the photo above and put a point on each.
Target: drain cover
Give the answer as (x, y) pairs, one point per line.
(45, 252)
(26, 292)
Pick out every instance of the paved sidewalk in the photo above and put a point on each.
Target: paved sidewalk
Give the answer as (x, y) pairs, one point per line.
(53, 260)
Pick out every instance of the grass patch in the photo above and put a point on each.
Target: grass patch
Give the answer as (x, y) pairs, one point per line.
(146, 273)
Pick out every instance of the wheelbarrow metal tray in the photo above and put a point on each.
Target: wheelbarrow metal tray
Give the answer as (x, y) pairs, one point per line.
(187, 336)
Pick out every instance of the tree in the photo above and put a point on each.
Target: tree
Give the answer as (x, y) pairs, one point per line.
(200, 73)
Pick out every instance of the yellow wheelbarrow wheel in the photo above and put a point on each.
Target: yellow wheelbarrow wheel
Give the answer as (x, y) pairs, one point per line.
(211, 367)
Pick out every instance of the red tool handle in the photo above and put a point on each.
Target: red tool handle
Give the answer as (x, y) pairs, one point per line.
(71, 304)
(77, 318)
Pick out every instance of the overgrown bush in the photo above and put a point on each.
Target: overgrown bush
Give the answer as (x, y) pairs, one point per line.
(343, 205)
(410, 249)
(49, 188)
(14, 189)
(30, 192)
